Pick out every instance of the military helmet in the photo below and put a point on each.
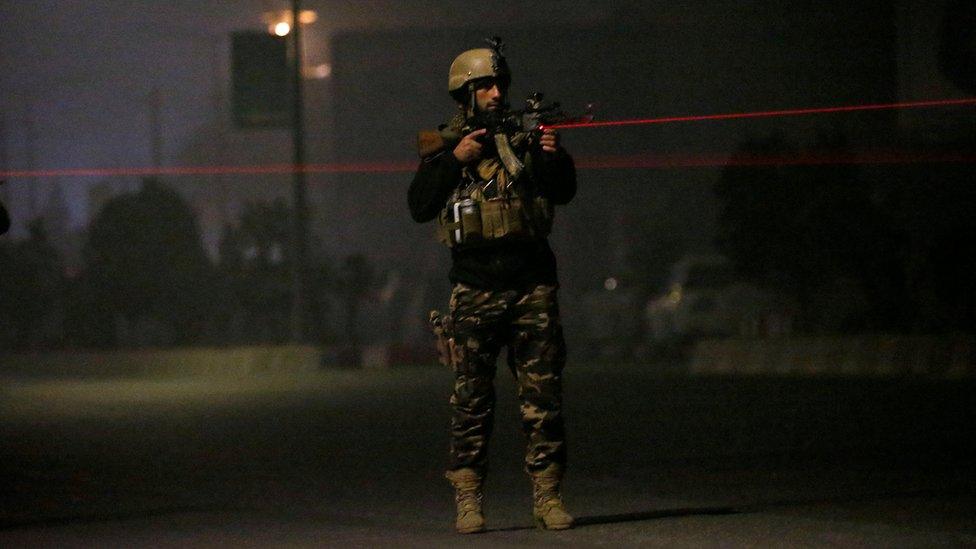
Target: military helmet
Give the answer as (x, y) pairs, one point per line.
(474, 64)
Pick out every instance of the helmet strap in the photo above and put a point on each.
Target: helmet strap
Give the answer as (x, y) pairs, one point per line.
(472, 108)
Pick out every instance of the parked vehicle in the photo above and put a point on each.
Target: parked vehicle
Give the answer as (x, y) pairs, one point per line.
(705, 299)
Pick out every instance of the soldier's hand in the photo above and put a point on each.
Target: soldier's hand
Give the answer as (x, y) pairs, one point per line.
(549, 140)
(469, 149)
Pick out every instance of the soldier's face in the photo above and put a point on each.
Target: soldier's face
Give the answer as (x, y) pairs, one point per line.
(489, 94)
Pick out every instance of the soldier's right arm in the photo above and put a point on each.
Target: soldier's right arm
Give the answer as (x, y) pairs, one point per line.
(437, 176)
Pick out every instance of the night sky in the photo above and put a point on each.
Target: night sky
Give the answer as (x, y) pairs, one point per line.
(76, 76)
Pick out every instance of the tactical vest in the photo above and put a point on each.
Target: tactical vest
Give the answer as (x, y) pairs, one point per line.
(492, 203)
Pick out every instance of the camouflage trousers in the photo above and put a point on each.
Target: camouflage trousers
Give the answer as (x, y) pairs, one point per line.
(527, 324)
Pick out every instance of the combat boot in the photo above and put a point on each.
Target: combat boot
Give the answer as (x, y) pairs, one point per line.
(547, 504)
(467, 496)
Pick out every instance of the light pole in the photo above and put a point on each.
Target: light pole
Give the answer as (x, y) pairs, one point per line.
(299, 305)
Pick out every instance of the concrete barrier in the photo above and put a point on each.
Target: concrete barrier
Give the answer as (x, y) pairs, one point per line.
(879, 356)
(212, 361)
(230, 361)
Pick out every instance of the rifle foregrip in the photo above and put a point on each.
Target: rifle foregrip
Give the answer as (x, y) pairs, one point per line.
(429, 142)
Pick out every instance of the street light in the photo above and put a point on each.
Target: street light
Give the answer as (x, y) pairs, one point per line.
(282, 29)
(280, 22)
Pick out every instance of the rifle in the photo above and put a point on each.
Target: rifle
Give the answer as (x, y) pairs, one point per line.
(534, 118)
(504, 124)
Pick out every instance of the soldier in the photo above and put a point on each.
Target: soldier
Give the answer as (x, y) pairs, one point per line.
(492, 194)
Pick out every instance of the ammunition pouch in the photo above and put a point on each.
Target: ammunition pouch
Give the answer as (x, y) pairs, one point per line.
(471, 222)
(489, 205)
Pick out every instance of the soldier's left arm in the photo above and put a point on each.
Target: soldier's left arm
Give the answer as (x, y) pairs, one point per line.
(556, 174)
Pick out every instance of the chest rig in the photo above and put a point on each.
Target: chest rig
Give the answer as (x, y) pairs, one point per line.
(497, 199)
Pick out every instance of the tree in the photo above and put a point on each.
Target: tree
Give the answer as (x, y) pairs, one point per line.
(808, 230)
(32, 279)
(254, 269)
(957, 48)
(254, 265)
(903, 236)
(932, 209)
(357, 282)
(144, 262)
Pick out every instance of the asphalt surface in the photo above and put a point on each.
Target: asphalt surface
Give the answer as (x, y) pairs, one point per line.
(355, 458)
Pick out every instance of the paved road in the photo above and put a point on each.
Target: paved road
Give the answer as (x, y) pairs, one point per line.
(355, 458)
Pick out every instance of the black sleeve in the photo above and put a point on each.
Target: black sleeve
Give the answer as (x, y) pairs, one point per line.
(4, 219)
(432, 185)
(556, 175)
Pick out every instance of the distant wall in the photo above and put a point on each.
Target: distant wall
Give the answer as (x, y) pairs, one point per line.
(943, 357)
(217, 361)
(234, 361)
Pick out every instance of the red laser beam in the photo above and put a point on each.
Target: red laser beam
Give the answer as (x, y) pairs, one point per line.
(653, 161)
(631, 162)
(355, 167)
(768, 114)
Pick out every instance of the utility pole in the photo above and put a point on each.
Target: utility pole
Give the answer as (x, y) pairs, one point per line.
(155, 127)
(30, 135)
(220, 135)
(299, 304)
(4, 197)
